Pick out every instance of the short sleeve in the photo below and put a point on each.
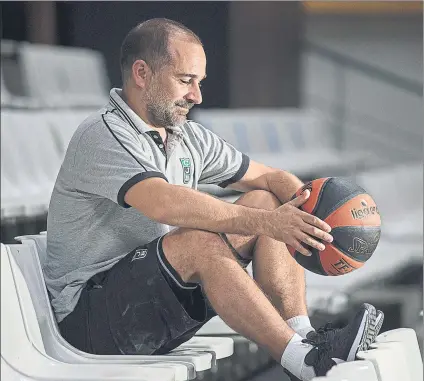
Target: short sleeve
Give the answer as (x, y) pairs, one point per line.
(223, 164)
(109, 160)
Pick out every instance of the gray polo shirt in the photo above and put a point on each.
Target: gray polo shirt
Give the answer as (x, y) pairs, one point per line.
(90, 227)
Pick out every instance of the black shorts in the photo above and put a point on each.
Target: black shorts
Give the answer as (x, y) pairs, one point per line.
(139, 306)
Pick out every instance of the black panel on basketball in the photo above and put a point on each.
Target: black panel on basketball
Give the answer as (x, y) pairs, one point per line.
(311, 263)
(357, 242)
(335, 188)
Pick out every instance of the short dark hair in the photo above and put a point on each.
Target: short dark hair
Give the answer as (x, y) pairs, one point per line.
(148, 41)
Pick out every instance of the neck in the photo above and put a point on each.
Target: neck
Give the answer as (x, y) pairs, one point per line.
(129, 98)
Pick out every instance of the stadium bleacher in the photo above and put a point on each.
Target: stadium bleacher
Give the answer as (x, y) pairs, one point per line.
(41, 109)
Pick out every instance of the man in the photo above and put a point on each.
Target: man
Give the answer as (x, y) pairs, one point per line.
(123, 280)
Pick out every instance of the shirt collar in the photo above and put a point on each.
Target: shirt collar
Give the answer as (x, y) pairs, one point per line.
(116, 101)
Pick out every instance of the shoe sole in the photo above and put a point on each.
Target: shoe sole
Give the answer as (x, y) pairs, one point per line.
(366, 332)
(378, 323)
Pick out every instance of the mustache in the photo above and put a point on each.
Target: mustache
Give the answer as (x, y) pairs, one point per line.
(187, 105)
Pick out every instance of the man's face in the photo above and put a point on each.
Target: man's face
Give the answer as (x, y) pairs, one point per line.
(175, 88)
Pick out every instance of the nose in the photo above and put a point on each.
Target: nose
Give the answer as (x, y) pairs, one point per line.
(195, 94)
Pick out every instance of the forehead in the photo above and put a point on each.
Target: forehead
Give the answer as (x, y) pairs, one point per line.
(187, 57)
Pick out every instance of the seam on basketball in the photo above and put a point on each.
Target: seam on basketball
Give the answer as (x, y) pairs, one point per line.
(320, 194)
(343, 201)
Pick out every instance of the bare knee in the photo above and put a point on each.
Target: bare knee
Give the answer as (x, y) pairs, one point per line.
(259, 199)
(191, 251)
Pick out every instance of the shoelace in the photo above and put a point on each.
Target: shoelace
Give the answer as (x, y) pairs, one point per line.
(322, 346)
(327, 327)
(319, 344)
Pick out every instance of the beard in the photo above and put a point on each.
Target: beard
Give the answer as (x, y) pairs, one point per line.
(162, 111)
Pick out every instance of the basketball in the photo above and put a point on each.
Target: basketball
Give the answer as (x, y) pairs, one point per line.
(355, 226)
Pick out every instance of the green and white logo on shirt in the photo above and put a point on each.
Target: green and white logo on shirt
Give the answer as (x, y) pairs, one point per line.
(186, 163)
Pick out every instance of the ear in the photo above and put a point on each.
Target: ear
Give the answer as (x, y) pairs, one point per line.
(140, 72)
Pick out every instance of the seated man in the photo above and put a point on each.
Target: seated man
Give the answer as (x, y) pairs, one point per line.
(138, 259)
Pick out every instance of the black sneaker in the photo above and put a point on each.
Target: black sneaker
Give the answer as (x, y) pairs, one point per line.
(356, 336)
(332, 346)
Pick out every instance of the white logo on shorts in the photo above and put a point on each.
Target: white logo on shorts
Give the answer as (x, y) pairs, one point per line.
(139, 254)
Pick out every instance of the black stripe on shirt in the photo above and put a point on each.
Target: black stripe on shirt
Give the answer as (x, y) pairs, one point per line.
(245, 161)
(134, 180)
(125, 115)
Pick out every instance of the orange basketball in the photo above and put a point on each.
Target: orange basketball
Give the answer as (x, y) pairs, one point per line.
(355, 226)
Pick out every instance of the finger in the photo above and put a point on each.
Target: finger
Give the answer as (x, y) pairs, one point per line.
(301, 199)
(315, 221)
(300, 248)
(315, 232)
(310, 241)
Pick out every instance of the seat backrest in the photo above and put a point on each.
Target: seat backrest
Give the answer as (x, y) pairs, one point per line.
(8, 373)
(39, 243)
(267, 130)
(18, 319)
(63, 123)
(395, 189)
(360, 369)
(401, 356)
(408, 339)
(386, 363)
(63, 72)
(26, 256)
(29, 147)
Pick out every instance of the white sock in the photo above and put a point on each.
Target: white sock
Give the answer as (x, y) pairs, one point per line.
(300, 324)
(293, 359)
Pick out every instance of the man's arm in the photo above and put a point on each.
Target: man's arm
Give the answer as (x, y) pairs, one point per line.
(259, 176)
(184, 207)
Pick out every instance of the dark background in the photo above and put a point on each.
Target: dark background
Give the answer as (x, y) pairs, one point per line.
(240, 38)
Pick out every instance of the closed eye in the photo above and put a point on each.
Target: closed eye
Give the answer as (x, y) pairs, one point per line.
(189, 81)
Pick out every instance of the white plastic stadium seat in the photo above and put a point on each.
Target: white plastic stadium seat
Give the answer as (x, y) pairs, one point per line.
(66, 76)
(388, 362)
(10, 374)
(33, 145)
(362, 370)
(408, 338)
(11, 201)
(400, 202)
(21, 196)
(403, 358)
(191, 352)
(23, 349)
(181, 370)
(63, 123)
(29, 160)
(221, 347)
(293, 140)
(57, 347)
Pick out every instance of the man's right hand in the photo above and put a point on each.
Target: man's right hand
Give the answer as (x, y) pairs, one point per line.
(293, 226)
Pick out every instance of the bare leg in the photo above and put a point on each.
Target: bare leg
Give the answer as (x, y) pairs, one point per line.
(274, 269)
(280, 277)
(200, 256)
